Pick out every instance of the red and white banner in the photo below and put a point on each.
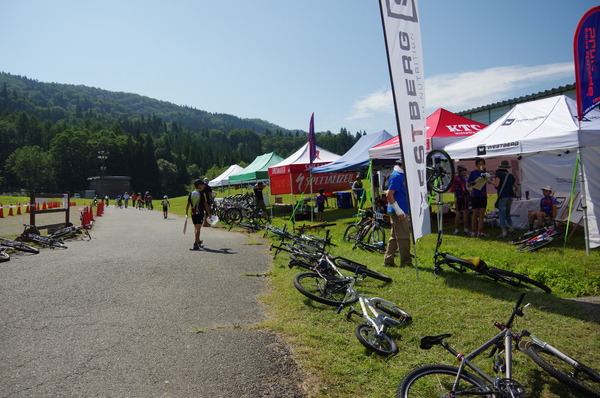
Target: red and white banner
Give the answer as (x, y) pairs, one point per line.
(402, 33)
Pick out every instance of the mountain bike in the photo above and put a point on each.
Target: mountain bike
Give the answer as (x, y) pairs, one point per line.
(439, 171)
(478, 267)
(379, 315)
(70, 232)
(450, 381)
(17, 245)
(32, 234)
(366, 234)
(535, 240)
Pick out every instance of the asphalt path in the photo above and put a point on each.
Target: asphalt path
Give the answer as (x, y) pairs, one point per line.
(135, 313)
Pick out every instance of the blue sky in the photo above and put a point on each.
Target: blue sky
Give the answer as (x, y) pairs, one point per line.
(281, 60)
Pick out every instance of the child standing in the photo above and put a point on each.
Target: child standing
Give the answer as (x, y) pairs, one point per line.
(461, 200)
(321, 200)
(165, 205)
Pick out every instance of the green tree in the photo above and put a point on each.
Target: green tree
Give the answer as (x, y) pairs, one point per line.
(31, 165)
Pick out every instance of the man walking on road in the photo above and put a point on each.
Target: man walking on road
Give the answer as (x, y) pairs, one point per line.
(198, 202)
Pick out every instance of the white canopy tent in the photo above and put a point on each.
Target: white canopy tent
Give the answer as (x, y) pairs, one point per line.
(543, 127)
(223, 179)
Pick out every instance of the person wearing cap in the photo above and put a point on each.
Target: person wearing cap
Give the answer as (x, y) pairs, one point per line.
(547, 208)
(398, 211)
(198, 204)
(357, 190)
(506, 184)
(461, 199)
(165, 205)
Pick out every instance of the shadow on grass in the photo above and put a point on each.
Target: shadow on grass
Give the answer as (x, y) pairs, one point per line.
(501, 291)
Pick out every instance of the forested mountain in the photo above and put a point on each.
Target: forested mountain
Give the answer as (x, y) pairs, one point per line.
(50, 136)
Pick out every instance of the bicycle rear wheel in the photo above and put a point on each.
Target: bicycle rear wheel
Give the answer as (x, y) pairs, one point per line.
(362, 269)
(16, 245)
(438, 380)
(439, 170)
(581, 378)
(394, 311)
(517, 280)
(533, 246)
(381, 344)
(4, 256)
(325, 291)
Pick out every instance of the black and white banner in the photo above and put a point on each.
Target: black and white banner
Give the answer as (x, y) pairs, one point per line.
(403, 43)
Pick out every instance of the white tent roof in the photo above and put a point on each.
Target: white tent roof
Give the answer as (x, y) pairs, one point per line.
(223, 179)
(302, 156)
(545, 125)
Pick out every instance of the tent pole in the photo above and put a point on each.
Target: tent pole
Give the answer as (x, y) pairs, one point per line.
(583, 203)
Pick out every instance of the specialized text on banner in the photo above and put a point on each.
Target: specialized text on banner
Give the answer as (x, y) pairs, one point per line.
(403, 42)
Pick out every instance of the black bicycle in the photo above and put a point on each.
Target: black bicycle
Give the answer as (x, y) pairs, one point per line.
(32, 234)
(366, 234)
(535, 240)
(18, 245)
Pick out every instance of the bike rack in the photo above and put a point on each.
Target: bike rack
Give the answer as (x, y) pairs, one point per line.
(32, 212)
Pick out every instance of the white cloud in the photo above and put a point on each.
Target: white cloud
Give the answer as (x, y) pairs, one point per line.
(460, 91)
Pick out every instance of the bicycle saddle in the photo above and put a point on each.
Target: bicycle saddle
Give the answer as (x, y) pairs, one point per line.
(429, 341)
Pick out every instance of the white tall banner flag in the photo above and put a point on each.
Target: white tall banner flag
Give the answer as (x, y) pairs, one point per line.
(403, 43)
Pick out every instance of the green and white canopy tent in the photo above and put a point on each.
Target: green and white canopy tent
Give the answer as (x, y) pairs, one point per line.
(257, 170)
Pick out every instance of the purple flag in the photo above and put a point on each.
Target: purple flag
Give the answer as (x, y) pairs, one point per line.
(312, 144)
(587, 62)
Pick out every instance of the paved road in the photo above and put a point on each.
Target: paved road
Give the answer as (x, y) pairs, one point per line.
(135, 313)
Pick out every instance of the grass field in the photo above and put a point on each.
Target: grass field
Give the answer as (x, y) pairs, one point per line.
(466, 306)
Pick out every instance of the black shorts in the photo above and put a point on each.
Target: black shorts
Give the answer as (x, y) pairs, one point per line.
(320, 207)
(461, 203)
(198, 218)
(479, 202)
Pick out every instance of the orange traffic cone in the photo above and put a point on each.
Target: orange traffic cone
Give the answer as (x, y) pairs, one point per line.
(91, 213)
(1, 211)
(27, 208)
(10, 212)
(44, 207)
(99, 210)
(18, 209)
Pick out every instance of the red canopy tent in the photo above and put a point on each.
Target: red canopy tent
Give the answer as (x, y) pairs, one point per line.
(443, 128)
(292, 175)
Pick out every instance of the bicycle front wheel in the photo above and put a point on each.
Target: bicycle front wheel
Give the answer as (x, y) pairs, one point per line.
(377, 236)
(437, 381)
(351, 233)
(517, 280)
(4, 256)
(439, 171)
(325, 291)
(381, 344)
(581, 378)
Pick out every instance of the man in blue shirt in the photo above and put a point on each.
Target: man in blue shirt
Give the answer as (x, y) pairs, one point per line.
(398, 211)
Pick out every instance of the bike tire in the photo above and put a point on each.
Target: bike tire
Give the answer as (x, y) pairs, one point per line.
(20, 246)
(376, 236)
(330, 291)
(517, 280)
(4, 256)
(353, 266)
(382, 344)
(437, 381)
(583, 379)
(439, 171)
(526, 236)
(351, 233)
(533, 246)
(233, 215)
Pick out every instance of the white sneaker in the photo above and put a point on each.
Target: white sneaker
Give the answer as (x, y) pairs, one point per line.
(466, 230)
(481, 234)
(456, 231)
(473, 234)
